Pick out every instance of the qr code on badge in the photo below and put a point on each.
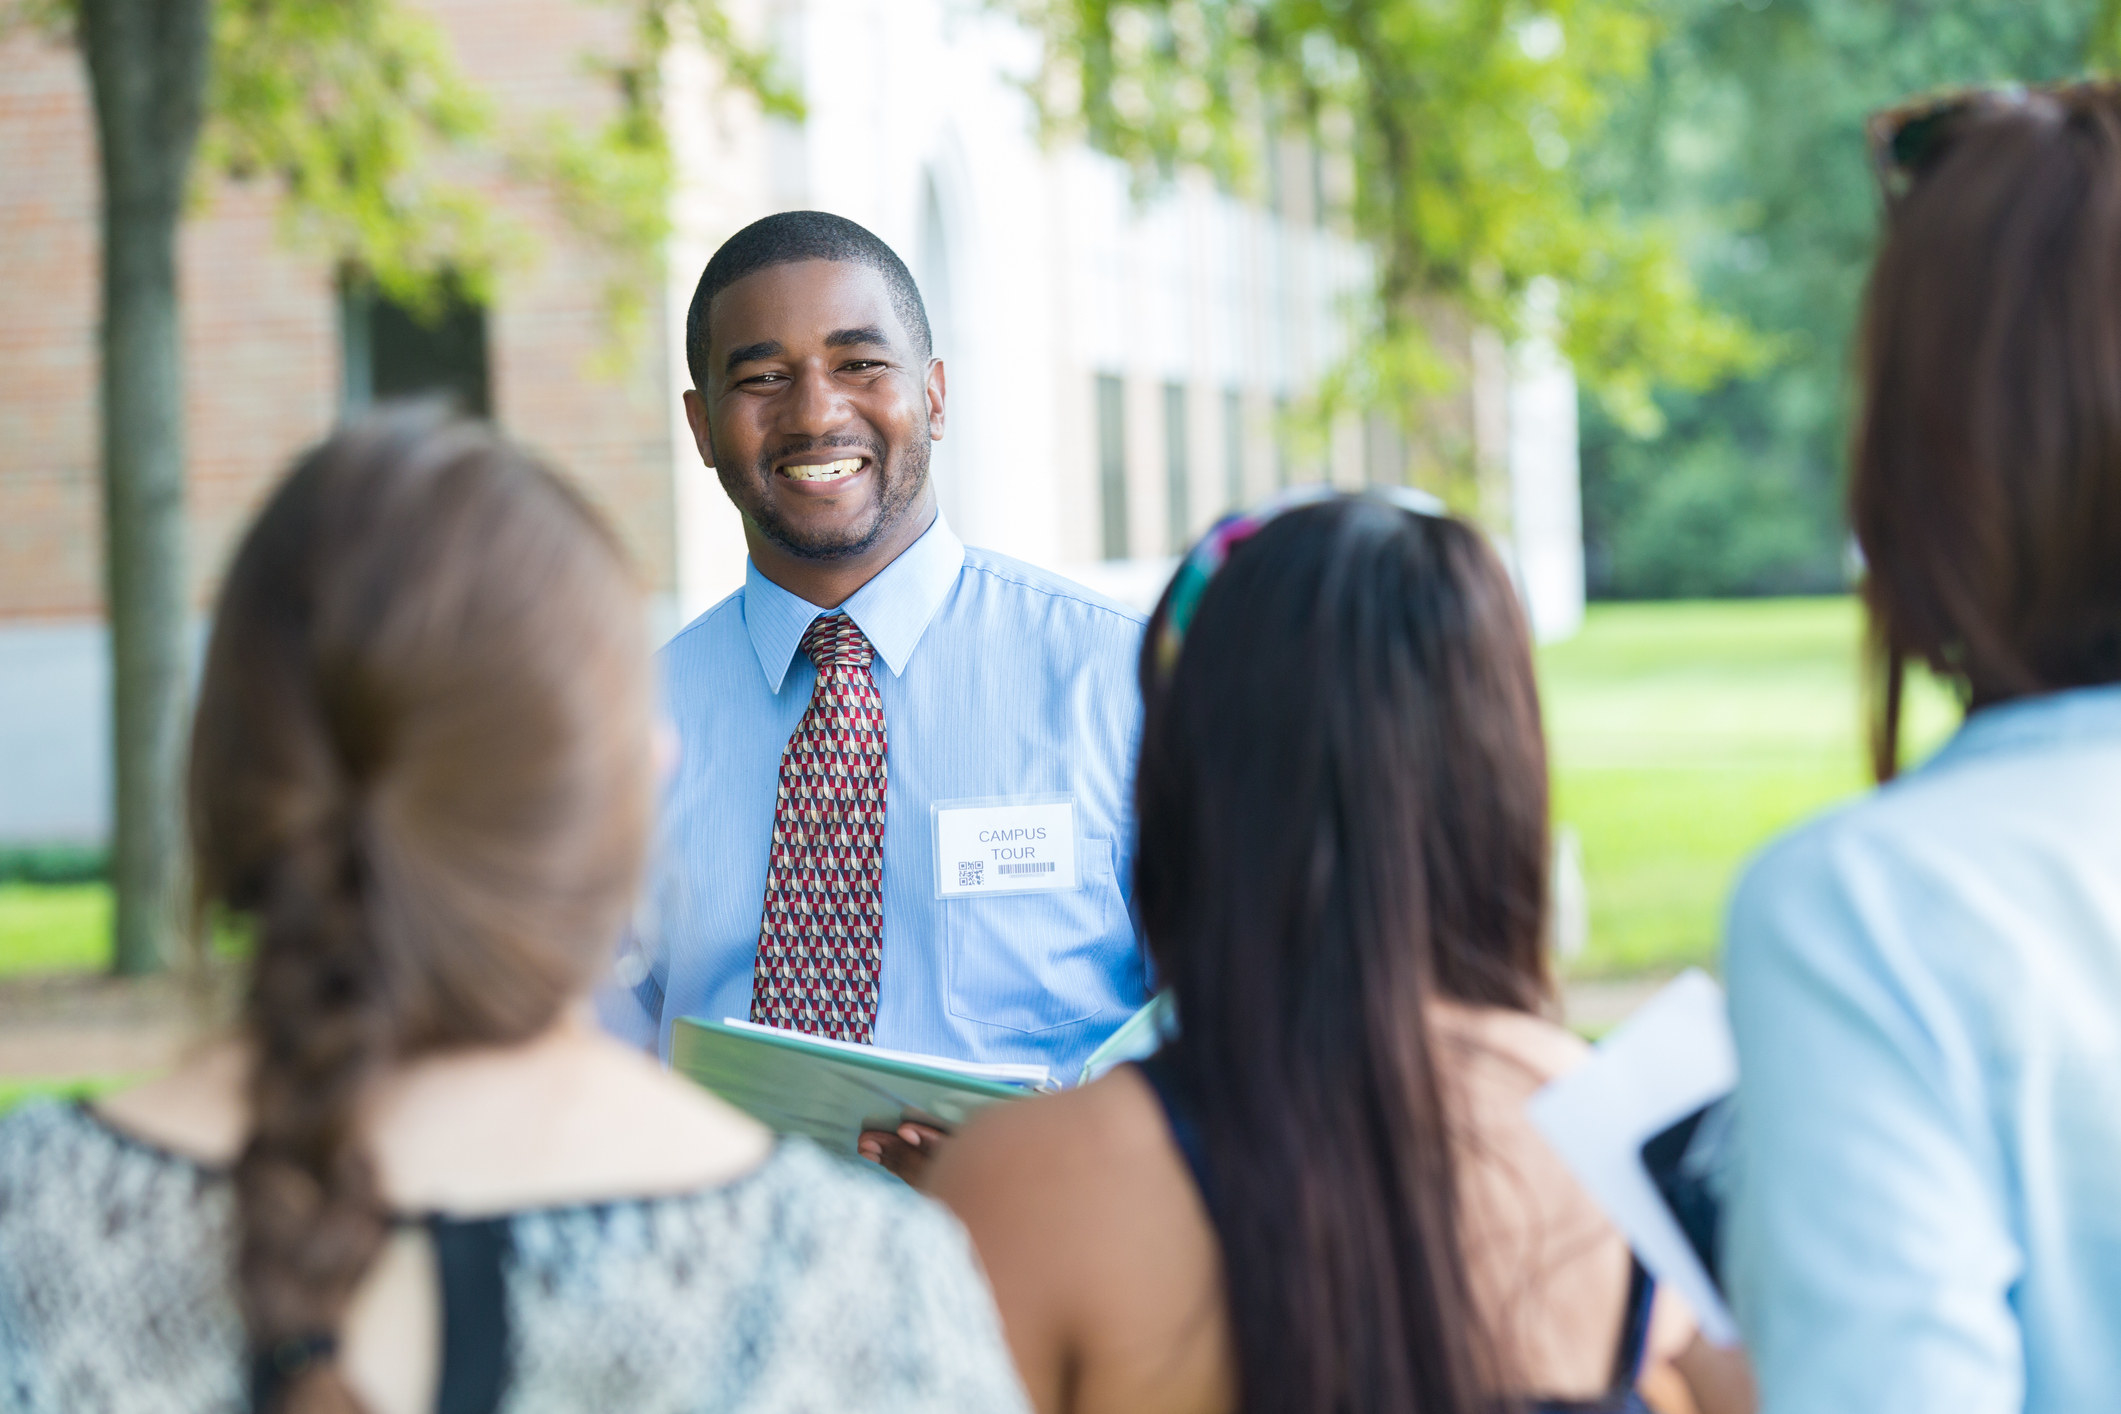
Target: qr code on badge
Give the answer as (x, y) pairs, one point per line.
(969, 872)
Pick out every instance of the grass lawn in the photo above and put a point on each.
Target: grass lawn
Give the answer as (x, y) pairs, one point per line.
(53, 928)
(1685, 736)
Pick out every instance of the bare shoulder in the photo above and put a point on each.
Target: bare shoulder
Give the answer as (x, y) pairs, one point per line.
(198, 1110)
(568, 1117)
(1054, 1151)
(1073, 1189)
(1047, 1188)
(573, 1118)
(1099, 1249)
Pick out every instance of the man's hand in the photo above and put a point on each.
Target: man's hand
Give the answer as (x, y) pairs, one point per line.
(907, 1152)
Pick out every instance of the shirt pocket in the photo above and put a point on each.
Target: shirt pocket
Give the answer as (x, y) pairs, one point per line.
(1037, 961)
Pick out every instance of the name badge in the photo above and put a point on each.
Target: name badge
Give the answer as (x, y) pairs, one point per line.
(1004, 845)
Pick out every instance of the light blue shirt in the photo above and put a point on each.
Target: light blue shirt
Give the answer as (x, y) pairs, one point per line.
(1926, 991)
(998, 680)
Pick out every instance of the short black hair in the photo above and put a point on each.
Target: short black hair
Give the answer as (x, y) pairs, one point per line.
(789, 236)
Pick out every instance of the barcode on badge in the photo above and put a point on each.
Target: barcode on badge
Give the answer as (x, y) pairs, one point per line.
(1000, 845)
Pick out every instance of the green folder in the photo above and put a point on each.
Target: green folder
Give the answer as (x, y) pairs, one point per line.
(795, 1085)
(831, 1091)
(1139, 1035)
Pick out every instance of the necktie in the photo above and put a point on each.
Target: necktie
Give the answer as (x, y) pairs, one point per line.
(821, 938)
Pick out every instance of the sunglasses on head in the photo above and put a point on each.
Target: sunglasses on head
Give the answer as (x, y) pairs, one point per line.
(1909, 139)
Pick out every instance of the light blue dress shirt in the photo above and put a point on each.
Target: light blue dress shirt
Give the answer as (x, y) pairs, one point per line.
(1926, 991)
(998, 680)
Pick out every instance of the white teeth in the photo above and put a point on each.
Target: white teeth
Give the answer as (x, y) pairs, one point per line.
(826, 471)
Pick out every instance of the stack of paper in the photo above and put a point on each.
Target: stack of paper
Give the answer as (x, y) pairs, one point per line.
(1642, 1125)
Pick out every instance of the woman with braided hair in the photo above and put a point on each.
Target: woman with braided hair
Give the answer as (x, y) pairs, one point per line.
(417, 1177)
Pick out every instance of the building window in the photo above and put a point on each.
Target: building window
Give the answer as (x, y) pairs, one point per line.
(391, 351)
(1233, 448)
(1281, 441)
(1176, 469)
(1276, 197)
(1112, 464)
(1318, 184)
(1384, 451)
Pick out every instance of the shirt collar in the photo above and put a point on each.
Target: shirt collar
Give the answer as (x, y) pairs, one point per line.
(892, 610)
(2049, 718)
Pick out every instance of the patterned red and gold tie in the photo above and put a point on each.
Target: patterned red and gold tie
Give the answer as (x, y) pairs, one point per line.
(821, 939)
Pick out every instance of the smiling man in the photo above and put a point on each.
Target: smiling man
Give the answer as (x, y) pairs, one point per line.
(901, 810)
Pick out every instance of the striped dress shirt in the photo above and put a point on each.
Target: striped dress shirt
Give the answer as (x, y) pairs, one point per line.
(998, 680)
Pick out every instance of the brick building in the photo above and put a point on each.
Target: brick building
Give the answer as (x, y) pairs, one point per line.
(1115, 371)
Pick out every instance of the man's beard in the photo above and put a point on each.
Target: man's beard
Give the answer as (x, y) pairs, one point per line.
(894, 498)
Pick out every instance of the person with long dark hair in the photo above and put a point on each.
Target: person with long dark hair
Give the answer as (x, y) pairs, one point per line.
(419, 1177)
(1322, 1196)
(1926, 985)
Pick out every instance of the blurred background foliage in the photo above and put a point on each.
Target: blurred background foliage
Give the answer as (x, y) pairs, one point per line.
(1744, 136)
(1678, 190)
(385, 150)
(386, 154)
(1448, 135)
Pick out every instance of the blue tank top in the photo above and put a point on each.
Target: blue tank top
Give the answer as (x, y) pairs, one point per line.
(1182, 1116)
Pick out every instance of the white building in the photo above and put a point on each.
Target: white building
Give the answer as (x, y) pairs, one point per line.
(1118, 368)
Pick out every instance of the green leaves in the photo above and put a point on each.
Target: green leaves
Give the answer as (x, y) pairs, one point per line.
(1448, 132)
(1745, 141)
(391, 160)
(614, 183)
(53, 19)
(357, 109)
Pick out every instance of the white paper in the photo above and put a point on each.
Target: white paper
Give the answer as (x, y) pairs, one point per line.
(1004, 846)
(1669, 1059)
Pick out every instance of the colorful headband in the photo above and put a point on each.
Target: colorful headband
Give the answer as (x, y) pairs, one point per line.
(1213, 551)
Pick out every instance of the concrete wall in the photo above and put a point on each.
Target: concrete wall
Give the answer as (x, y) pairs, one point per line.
(1546, 496)
(54, 733)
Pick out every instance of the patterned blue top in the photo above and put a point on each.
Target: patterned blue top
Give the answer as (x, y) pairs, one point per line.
(998, 680)
(1926, 991)
(800, 1286)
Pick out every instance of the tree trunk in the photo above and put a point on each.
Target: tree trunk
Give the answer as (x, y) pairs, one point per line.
(147, 68)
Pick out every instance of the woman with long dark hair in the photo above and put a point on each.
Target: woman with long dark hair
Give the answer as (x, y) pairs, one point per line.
(1926, 985)
(1322, 1197)
(418, 1178)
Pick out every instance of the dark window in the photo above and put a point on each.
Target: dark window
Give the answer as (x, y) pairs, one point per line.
(1384, 451)
(392, 351)
(1281, 440)
(1112, 463)
(1176, 469)
(1233, 448)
